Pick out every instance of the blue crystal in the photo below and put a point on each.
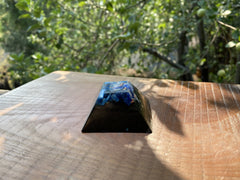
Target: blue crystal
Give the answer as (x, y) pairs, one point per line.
(121, 91)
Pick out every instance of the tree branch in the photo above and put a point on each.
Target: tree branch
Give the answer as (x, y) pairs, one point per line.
(237, 76)
(227, 25)
(202, 43)
(151, 44)
(181, 47)
(181, 53)
(165, 59)
(108, 51)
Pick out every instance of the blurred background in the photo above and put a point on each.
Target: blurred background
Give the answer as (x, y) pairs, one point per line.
(194, 40)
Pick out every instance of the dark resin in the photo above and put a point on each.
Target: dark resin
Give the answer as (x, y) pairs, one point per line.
(133, 115)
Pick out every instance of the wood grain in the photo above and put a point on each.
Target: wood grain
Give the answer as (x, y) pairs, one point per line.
(196, 131)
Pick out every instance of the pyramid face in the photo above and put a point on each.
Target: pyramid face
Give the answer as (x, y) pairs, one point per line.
(120, 107)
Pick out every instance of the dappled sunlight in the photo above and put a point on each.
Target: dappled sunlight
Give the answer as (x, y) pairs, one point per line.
(216, 149)
(153, 86)
(5, 111)
(54, 119)
(148, 84)
(163, 96)
(137, 145)
(2, 140)
(66, 136)
(63, 76)
(160, 151)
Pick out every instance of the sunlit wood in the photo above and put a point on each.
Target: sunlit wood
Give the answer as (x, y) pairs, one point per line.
(196, 131)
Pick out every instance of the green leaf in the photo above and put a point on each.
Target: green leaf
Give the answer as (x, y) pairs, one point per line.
(123, 46)
(123, 36)
(81, 4)
(33, 27)
(109, 6)
(121, 10)
(42, 33)
(162, 25)
(61, 30)
(230, 44)
(20, 56)
(134, 26)
(24, 16)
(47, 21)
(203, 61)
(37, 13)
(22, 5)
(17, 57)
(235, 35)
(13, 57)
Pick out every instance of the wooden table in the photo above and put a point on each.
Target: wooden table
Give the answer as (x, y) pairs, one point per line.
(2, 91)
(196, 132)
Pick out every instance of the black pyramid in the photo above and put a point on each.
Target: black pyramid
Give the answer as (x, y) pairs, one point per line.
(120, 107)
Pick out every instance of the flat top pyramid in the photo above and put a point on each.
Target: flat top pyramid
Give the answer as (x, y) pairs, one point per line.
(120, 107)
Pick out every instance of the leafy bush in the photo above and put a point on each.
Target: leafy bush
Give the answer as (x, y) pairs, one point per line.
(96, 37)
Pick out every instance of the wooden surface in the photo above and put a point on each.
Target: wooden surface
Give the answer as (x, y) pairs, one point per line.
(196, 132)
(3, 91)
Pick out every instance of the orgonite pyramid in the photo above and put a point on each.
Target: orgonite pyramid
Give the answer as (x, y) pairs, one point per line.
(120, 107)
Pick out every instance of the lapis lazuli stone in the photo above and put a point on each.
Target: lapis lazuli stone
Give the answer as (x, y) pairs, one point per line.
(120, 107)
(121, 91)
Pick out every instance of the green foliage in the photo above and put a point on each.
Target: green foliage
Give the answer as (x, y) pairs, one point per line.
(96, 36)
